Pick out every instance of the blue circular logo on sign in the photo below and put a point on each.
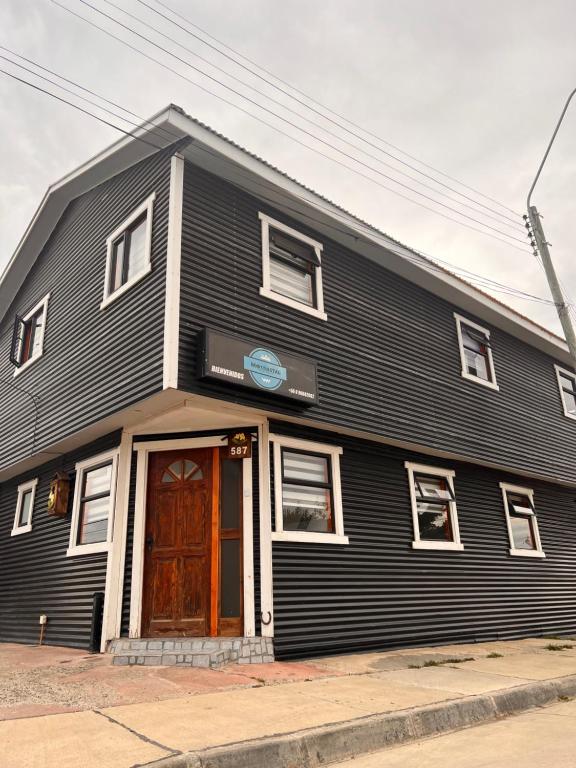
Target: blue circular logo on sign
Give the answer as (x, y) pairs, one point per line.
(265, 368)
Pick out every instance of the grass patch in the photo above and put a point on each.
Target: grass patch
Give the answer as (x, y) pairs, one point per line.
(557, 647)
(433, 663)
(494, 655)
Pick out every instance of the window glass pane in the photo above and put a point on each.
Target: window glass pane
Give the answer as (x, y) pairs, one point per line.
(116, 265)
(177, 469)
(291, 281)
(520, 504)
(306, 509)
(36, 333)
(432, 487)
(230, 576)
(192, 470)
(94, 520)
(25, 509)
(522, 534)
(168, 478)
(302, 466)
(230, 494)
(570, 402)
(137, 252)
(477, 364)
(97, 480)
(568, 383)
(434, 522)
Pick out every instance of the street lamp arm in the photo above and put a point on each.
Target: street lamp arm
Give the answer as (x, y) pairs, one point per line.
(558, 124)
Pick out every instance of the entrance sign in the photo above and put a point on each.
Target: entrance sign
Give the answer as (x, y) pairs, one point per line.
(258, 366)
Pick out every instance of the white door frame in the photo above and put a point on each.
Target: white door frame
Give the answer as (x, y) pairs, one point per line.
(143, 450)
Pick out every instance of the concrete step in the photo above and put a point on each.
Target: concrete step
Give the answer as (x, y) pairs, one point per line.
(203, 652)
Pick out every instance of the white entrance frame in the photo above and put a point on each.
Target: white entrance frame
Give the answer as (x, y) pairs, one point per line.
(143, 451)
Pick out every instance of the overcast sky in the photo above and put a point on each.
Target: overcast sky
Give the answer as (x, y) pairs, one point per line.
(473, 89)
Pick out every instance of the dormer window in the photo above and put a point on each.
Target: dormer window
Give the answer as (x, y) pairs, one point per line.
(291, 268)
(28, 336)
(475, 352)
(129, 252)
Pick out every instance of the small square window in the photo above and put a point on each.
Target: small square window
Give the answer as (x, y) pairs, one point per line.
(28, 336)
(129, 252)
(475, 352)
(24, 507)
(567, 386)
(291, 268)
(434, 513)
(521, 521)
(307, 491)
(93, 508)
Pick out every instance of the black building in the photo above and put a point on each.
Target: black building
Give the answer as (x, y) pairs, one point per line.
(239, 412)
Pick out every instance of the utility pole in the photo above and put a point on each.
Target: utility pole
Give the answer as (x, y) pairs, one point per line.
(534, 226)
(555, 289)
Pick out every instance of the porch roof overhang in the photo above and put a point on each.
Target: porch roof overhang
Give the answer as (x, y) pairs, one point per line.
(208, 149)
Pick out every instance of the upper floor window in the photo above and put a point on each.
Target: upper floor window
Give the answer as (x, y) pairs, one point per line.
(308, 498)
(434, 512)
(24, 507)
(521, 521)
(475, 352)
(567, 384)
(92, 511)
(28, 337)
(291, 268)
(129, 252)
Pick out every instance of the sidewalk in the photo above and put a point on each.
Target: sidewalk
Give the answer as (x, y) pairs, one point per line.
(366, 699)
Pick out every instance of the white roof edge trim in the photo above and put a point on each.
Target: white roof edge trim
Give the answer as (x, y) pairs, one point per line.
(236, 154)
(177, 118)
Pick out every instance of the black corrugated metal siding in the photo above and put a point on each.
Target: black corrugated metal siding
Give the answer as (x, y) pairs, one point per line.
(378, 592)
(388, 356)
(95, 361)
(36, 577)
(127, 585)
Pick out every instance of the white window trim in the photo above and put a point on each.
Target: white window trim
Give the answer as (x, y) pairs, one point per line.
(42, 304)
(266, 289)
(569, 375)
(492, 384)
(147, 206)
(538, 552)
(449, 474)
(28, 486)
(334, 453)
(81, 468)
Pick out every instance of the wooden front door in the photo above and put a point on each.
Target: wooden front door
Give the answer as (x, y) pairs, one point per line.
(182, 491)
(193, 562)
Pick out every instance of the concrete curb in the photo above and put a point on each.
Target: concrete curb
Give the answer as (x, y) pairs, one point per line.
(342, 741)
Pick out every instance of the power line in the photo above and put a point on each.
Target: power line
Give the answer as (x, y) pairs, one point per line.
(294, 125)
(417, 257)
(314, 101)
(514, 222)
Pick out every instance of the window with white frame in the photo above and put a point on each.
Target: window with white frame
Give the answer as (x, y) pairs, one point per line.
(24, 507)
(307, 491)
(129, 248)
(475, 352)
(93, 508)
(291, 268)
(567, 385)
(28, 336)
(521, 521)
(434, 512)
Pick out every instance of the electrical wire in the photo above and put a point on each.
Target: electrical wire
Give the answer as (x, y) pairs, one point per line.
(310, 98)
(515, 223)
(423, 260)
(283, 119)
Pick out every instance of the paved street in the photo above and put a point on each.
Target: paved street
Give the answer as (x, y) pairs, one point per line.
(544, 738)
